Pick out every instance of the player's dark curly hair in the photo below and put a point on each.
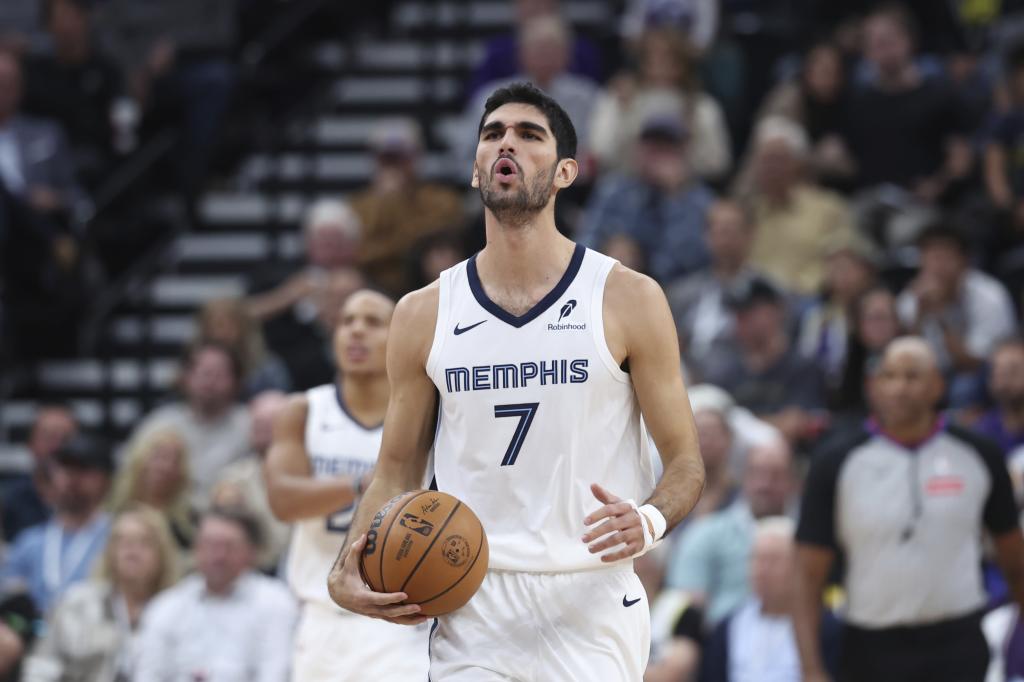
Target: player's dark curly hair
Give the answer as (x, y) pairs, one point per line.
(527, 93)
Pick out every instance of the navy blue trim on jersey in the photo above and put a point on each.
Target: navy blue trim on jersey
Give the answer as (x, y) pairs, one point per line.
(552, 297)
(344, 408)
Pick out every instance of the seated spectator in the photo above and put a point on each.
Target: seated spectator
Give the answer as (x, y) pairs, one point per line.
(37, 167)
(850, 270)
(756, 641)
(156, 473)
(1004, 423)
(710, 562)
(544, 45)
(292, 304)
(747, 430)
(399, 208)
(1004, 173)
(961, 312)
(796, 220)
(214, 426)
(26, 497)
(715, 436)
(49, 558)
(225, 622)
(903, 128)
(697, 300)
(501, 53)
(177, 54)
(92, 633)
(660, 205)
(874, 324)
(241, 484)
(434, 255)
(666, 84)
(764, 372)
(227, 321)
(815, 100)
(75, 85)
(698, 19)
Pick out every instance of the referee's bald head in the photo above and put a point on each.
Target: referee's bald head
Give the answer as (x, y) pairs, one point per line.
(913, 349)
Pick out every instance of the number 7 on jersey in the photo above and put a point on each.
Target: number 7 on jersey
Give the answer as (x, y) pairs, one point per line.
(525, 412)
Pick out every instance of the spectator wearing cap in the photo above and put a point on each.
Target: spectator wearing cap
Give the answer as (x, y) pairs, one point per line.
(224, 623)
(697, 300)
(796, 220)
(660, 206)
(666, 83)
(398, 209)
(905, 499)
(27, 492)
(214, 426)
(297, 308)
(755, 642)
(961, 311)
(710, 562)
(850, 270)
(764, 372)
(48, 558)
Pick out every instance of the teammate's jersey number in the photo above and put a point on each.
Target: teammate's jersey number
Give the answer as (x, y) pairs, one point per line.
(525, 412)
(339, 521)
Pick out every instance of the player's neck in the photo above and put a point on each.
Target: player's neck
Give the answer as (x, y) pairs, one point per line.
(366, 397)
(523, 255)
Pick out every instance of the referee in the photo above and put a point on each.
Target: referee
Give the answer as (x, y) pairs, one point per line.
(904, 500)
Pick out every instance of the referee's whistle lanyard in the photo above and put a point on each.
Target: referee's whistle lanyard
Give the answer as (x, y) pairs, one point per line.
(915, 497)
(54, 573)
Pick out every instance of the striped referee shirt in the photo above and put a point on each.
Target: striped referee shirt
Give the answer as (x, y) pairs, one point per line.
(908, 520)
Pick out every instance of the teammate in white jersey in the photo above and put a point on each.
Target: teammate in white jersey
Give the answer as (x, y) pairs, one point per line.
(325, 446)
(545, 356)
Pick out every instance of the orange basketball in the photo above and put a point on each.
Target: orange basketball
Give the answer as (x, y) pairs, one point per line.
(429, 545)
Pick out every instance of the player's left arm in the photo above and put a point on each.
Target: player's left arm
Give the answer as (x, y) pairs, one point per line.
(639, 330)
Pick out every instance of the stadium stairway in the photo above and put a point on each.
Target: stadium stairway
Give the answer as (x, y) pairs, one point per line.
(252, 219)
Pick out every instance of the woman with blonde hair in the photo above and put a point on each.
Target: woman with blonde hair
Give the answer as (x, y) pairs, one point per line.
(229, 322)
(90, 638)
(156, 473)
(666, 84)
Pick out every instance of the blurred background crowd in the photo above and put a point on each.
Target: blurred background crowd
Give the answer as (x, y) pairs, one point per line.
(189, 190)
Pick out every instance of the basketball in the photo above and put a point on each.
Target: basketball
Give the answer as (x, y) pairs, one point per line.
(429, 545)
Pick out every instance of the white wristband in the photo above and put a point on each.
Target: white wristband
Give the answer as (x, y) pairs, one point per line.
(650, 513)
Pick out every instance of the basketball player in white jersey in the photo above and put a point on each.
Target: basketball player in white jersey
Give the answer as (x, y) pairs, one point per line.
(545, 356)
(325, 446)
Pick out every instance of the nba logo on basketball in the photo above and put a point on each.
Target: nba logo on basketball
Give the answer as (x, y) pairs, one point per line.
(417, 525)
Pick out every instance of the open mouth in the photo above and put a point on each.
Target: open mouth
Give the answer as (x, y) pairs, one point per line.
(505, 168)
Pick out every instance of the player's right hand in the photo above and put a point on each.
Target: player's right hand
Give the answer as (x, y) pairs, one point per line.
(350, 592)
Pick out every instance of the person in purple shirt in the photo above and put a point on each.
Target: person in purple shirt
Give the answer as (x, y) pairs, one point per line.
(1004, 423)
(501, 53)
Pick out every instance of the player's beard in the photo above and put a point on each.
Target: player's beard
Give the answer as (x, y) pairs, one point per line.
(515, 209)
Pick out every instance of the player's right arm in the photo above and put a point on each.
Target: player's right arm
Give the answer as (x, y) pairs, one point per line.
(292, 491)
(408, 435)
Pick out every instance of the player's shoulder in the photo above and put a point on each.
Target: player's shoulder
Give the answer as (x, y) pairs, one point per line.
(419, 305)
(633, 297)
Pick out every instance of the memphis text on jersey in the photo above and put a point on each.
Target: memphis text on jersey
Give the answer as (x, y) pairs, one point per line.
(494, 377)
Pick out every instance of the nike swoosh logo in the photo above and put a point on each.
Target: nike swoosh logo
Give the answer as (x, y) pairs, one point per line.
(627, 603)
(463, 330)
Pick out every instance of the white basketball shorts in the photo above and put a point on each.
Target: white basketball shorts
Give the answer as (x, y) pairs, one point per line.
(546, 627)
(332, 645)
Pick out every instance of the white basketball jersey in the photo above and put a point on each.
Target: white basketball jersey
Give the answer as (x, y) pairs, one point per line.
(533, 410)
(337, 445)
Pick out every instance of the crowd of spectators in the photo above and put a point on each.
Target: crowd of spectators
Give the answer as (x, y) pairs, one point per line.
(806, 191)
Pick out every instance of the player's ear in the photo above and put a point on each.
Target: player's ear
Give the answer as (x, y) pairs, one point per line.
(566, 173)
(475, 182)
